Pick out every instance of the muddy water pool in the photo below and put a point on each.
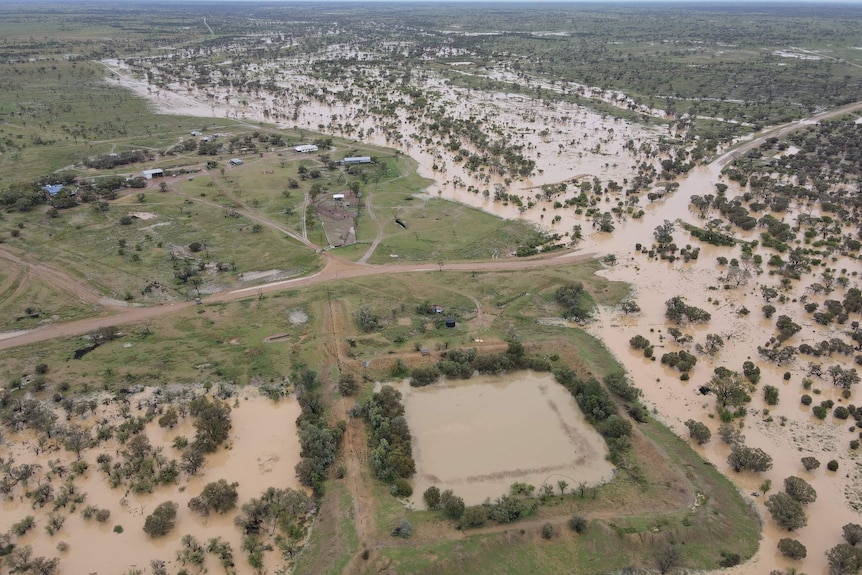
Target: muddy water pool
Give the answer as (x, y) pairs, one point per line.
(478, 436)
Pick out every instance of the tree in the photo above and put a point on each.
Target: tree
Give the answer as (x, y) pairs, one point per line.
(667, 558)
(768, 310)
(628, 306)
(730, 434)
(844, 559)
(792, 549)
(161, 520)
(786, 327)
(743, 458)
(728, 387)
(770, 394)
(76, 439)
(799, 489)
(844, 378)
(852, 533)
(664, 233)
(786, 511)
(212, 422)
(698, 431)
(219, 496)
(714, 343)
(768, 293)
(562, 484)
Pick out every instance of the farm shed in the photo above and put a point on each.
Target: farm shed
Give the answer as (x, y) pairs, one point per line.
(337, 196)
(53, 189)
(306, 148)
(235, 162)
(154, 173)
(356, 160)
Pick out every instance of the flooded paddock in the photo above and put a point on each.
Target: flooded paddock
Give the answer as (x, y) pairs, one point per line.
(261, 452)
(478, 436)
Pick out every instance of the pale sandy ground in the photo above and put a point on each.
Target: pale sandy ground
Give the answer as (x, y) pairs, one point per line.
(653, 282)
(261, 452)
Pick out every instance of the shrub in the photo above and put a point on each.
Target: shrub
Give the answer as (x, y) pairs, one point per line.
(806, 399)
(820, 412)
(547, 531)
(841, 412)
(792, 549)
(832, 465)
(810, 463)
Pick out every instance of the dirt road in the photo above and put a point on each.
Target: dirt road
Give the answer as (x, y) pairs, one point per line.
(336, 268)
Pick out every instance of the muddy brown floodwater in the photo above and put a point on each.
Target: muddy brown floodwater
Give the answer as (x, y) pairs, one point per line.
(478, 436)
(262, 451)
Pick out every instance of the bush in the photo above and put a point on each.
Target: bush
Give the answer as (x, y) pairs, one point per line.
(547, 531)
(403, 530)
(577, 523)
(841, 412)
(453, 506)
(832, 465)
(820, 412)
(402, 488)
(422, 376)
(792, 549)
(432, 497)
(810, 463)
(162, 519)
(770, 394)
(475, 516)
(806, 399)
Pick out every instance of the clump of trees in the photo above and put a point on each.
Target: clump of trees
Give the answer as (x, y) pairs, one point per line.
(681, 313)
(278, 518)
(391, 455)
(600, 410)
(318, 441)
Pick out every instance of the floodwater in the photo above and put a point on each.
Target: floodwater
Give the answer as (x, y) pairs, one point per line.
(262, 451)
(479, 436)
(579, 142)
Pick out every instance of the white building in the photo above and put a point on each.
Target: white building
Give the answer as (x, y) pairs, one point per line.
(306, 148)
